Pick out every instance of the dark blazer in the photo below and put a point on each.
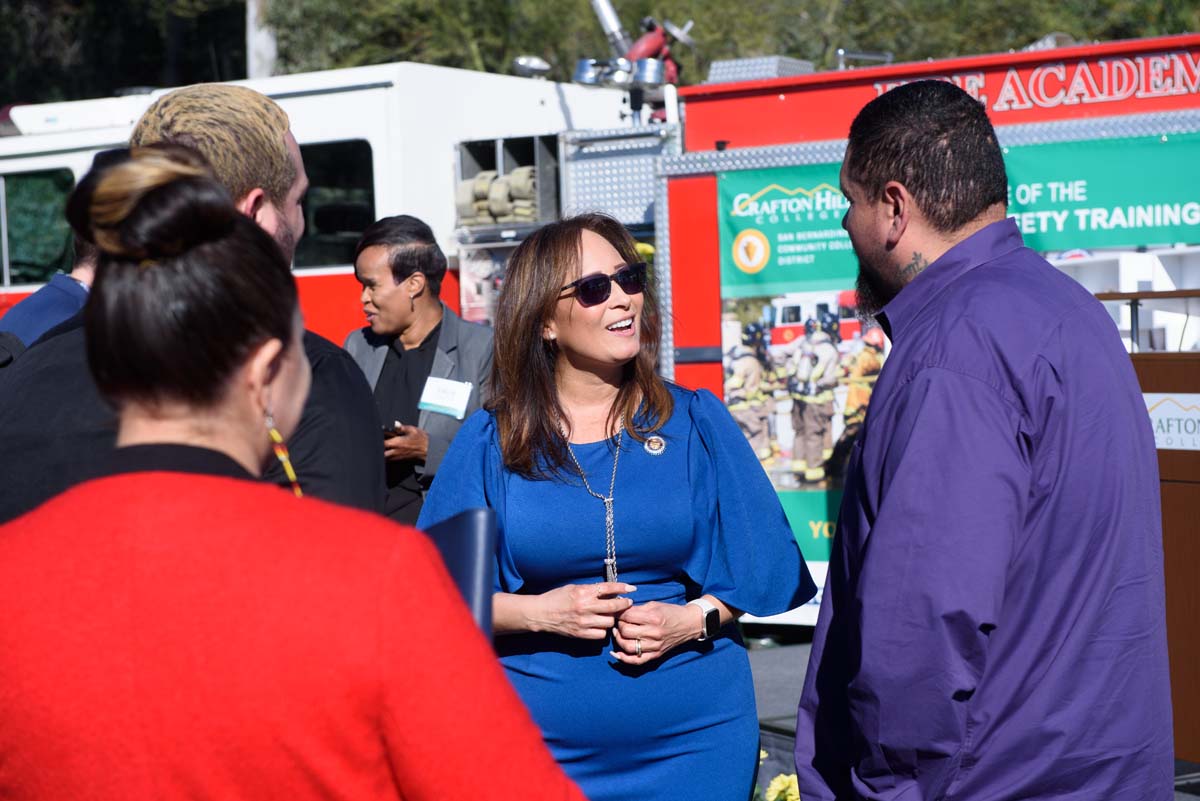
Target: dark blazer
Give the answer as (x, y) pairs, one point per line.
(11, 347)
(464, 353)
(55, 429)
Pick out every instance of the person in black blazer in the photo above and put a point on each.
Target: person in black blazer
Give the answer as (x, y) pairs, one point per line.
(426, 365)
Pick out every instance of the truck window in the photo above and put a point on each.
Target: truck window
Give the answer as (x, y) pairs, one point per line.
(36, 238)
(340, 203)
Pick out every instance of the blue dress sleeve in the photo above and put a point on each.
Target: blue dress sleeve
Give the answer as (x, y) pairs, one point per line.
(472, 476)
(745, 553)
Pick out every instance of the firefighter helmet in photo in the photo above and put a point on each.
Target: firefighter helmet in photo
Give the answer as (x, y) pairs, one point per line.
(829, 324)
(753, 335)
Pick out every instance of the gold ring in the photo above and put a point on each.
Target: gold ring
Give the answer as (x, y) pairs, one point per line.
(638, 642)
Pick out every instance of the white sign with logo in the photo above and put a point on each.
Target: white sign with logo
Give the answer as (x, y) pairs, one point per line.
(1176, 420)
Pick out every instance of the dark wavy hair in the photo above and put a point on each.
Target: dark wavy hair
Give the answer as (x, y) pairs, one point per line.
(412, 248)
(524, 395)
(185, 287)
(935, 139)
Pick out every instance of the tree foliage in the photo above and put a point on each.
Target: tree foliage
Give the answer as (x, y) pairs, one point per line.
(474, 34)
(71, 49)
(488, 34)
(944, 28)
(66, 49)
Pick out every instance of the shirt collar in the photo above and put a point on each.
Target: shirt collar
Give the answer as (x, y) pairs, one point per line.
(986, 244)
(174, 458)
(68, 280)
(428, 342)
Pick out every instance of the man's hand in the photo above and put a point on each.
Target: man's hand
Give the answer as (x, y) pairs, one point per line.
(410, 443)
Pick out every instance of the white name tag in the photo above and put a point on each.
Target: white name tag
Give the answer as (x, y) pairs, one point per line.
(444, 396)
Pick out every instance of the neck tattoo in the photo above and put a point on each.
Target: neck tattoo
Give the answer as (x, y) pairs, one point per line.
(610, 543)
(914, 267)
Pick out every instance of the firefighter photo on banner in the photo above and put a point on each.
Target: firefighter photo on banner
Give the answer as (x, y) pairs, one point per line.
(799, 364)
(799, 369)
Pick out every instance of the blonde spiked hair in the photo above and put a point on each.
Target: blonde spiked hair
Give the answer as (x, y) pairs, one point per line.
(238, 130)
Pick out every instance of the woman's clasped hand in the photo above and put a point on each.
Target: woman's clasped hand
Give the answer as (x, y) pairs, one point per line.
(641, 633)
(586, 611)
(652, 630)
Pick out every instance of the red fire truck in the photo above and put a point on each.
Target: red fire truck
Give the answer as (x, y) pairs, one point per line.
(1102, 114)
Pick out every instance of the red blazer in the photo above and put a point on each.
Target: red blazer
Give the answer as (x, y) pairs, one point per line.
(168, 635)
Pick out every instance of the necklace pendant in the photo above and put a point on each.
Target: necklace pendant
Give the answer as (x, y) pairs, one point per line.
(610, 544)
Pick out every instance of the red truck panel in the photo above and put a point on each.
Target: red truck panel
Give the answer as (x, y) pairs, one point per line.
(1130, 77)
(695, 270)
(708, 376)
(10, 299)
(695, 265)
(331, 303)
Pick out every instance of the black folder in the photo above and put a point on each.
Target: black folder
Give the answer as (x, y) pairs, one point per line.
(467, 542)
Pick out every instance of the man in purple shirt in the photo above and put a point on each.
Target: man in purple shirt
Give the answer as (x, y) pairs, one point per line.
(993, 625)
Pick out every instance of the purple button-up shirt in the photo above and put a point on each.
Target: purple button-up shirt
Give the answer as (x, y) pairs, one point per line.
(993, 625)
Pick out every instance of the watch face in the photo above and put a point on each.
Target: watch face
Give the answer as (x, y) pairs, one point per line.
(712, 623)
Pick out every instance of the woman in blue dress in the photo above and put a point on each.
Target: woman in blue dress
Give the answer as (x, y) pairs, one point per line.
(635, 524)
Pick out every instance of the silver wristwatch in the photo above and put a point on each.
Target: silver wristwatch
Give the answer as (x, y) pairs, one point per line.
(712, 619)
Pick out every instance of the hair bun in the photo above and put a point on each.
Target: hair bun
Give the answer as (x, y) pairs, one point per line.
(160, 203)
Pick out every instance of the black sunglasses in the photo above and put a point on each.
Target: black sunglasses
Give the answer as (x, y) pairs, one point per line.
(595, 288)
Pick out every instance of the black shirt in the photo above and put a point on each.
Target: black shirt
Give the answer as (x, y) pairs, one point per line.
(397, 394)
(57, 431)
(173, 458)
(336, 449)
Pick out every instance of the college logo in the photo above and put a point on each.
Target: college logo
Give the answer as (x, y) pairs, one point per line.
(751, 251)
(821, 202)
(1175, 419)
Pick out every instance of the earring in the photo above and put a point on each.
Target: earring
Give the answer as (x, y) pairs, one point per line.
(412, 304)
(281, 453)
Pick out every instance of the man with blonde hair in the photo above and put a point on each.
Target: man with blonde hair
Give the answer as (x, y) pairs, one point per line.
(246, 137)
(56, 429)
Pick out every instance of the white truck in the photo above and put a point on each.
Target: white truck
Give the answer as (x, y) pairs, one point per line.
(377, 141)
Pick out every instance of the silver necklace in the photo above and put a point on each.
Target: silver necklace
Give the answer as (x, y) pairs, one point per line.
(610, 542)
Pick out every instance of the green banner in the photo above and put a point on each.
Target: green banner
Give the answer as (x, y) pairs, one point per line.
(1106, 193)
(813, 515)
(781, 231)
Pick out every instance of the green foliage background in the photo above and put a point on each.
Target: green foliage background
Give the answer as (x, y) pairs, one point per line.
(488, 34)
(69, 49)
(75, 49)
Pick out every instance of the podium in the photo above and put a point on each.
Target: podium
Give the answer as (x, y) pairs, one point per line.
(1177, 376)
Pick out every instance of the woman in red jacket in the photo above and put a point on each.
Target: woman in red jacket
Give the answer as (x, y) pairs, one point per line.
(177, 629)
